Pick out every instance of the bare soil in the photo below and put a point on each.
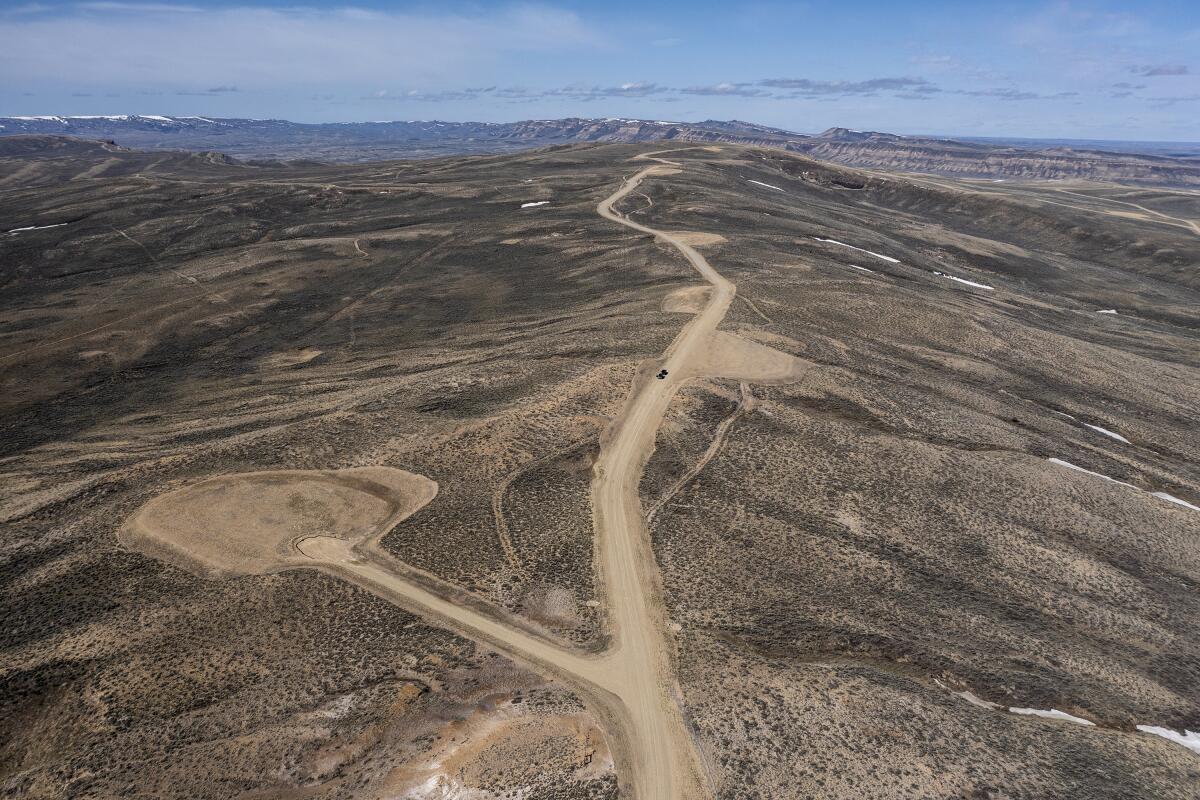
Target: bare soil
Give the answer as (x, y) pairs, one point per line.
(249, 523)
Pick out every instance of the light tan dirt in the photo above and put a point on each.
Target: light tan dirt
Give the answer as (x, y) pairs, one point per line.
(730, 356)
(246, 524)
(664, 760)
(292, 358)
(697, 238)
(689, 300)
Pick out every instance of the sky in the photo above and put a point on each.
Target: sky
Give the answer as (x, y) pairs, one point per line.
(1080, 70)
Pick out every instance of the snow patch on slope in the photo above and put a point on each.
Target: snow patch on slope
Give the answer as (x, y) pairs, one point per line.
(15, 231)
(964, 280)
(1069, 465)
(1175, 500)
(1188, 739)
(1052, 713)
(1159, 495)
(1108, 433)
(859, 249)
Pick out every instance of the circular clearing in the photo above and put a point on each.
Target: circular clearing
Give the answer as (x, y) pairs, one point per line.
(249, 523)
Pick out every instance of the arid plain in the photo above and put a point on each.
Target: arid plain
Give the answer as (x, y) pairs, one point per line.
(327, 481)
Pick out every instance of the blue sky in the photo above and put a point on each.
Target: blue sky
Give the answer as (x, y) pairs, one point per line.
(1042, 69)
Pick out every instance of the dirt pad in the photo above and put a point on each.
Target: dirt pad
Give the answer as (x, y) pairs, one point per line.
(689, 300)
(291, 358)
(698, 238)
(730, 356)
(248, 523)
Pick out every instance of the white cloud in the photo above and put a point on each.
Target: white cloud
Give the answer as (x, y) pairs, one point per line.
(1159, 70)
(28, 8)
(130, 44)
(140, 8)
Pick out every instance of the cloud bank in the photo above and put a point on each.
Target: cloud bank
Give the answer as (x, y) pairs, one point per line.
(116, 43)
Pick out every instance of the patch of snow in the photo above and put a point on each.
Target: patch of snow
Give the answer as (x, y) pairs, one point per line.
(1107, 311)
(202, 119)
(1176, 500)
(1159, 495)
(156, 117)
(1069, 465)
(538, 203)
(998, 180)
(1188, 739)
(15, 231)
(975, 700)
(964, 280)
(1061, 414)
(1108, 433)
(864, 269)
(769, 186)
(1053, 713)
(101, 116)
(859, 249)
(970, 697)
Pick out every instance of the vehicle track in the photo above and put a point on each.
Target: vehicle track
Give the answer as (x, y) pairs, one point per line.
(502, 532)
(744, 406)
(1017, 191)
(1192, 225)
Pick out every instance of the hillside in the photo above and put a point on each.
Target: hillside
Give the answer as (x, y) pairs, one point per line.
(688, 470)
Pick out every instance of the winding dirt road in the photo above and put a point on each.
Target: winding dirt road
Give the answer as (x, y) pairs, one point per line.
(632, 683)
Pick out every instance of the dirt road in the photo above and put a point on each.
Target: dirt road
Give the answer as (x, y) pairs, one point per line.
(1017, 190)
(632, 684)
(1192, 225)
(669, 766)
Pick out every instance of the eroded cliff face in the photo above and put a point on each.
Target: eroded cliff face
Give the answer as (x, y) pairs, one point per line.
(963, 159)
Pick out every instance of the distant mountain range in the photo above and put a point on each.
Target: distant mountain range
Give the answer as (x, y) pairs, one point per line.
(255, 139)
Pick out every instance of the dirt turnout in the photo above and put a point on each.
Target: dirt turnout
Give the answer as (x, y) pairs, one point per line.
(250, 523)
(730, 356)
